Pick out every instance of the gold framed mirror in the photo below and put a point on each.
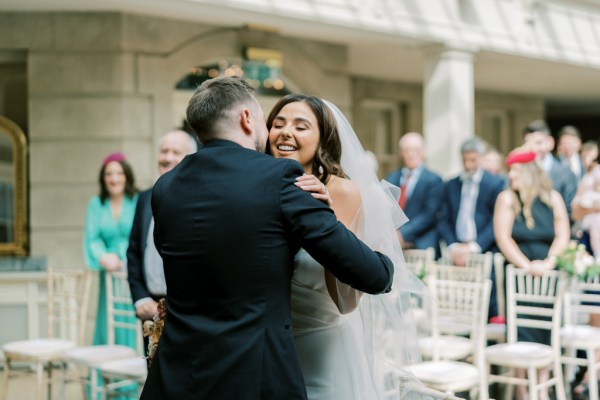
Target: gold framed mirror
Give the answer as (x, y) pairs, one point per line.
(13, 189)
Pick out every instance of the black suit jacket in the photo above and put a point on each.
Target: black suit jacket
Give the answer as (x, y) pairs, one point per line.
(489, 189)
(422, 208)
(564, 182)
(137, 248)
(228, 222)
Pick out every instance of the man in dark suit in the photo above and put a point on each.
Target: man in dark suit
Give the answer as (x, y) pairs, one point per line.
(228, 222)
(468, 207)
(537, 136)
(466, 222)
(144, 265)
(568, 150)
(421, 195)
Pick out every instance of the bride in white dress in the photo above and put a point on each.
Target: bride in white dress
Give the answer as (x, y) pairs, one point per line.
(350, 345)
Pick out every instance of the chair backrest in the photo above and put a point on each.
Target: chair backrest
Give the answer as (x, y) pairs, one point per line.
(68, 300)
(482, 262)
(419, 260)
(500, 287)
(581, 299)
(462, 304)
(119, 308)
(533, 301)
(456, 273)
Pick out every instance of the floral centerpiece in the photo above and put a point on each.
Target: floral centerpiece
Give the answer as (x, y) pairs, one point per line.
(577, 262)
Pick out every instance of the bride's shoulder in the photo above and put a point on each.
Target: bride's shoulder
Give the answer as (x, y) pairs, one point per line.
(342, 188)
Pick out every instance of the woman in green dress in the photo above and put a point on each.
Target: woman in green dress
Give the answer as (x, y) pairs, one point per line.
(106, 237)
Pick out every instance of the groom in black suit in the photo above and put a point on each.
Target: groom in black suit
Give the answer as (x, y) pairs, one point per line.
(228, 221)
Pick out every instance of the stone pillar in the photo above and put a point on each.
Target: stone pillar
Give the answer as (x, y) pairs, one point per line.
(448, 107)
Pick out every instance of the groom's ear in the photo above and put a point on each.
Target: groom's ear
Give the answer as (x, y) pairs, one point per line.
(246, 121)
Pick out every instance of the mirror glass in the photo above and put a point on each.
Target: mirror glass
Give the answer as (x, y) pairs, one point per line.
(13, 196)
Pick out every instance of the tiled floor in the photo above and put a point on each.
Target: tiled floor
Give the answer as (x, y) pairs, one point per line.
(23, 388)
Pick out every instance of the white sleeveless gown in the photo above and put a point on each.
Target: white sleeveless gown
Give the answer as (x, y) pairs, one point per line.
(326, 346)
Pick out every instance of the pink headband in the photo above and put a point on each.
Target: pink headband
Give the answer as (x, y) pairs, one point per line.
(113, 157)
(520, 157)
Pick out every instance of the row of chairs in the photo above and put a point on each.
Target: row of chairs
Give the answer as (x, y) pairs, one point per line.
(105, 368)
(460, 360)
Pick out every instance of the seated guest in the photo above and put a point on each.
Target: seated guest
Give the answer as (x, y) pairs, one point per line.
(531, 227)
(467, 210)
(468, 205)
(421, 194)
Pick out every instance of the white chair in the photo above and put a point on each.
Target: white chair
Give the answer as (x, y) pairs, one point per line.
(419, 260)
(130, 371)
(446, 325)
(582, 299)
(482, 262)
(90, 358)
(68, 297)
(448, 335)
(533, 302)
(476, 273)
(497, 332)
(467, 303)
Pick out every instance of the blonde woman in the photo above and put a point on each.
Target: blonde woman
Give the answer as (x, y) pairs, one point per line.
(531, 227)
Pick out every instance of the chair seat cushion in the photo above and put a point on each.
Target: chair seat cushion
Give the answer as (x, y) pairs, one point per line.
(520, 354)
(580, 336)
(127, 368)
(37, 349)
(448, 347)
(446, 375)
(95, 355)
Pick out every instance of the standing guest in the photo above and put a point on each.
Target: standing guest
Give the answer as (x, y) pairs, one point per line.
(569, 146)
(587, 203)
(589, 155)
(144, 265)
(107, 227)
(420, 196)
(228, 222)
(531, 226)
(586, 210)
(537, 137)
(493, 162)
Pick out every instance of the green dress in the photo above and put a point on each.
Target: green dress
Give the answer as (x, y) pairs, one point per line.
(105, 235)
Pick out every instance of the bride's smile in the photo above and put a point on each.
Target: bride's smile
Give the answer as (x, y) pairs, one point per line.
(295, 134)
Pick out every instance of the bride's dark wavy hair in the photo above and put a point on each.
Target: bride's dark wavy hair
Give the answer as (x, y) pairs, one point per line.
(327, 159)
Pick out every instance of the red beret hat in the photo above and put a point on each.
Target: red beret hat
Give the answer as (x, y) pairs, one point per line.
(520, 156)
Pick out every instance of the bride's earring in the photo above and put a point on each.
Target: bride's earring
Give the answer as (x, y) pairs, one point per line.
(320, 169)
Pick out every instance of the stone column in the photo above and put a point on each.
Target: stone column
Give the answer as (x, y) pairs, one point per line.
(448, 107)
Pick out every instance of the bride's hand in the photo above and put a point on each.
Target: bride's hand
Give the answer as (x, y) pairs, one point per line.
(310, 183)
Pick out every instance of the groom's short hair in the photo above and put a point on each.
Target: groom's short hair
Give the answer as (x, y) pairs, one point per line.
(213, 100)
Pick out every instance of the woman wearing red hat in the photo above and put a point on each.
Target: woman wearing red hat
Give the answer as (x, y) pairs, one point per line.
(531, 226)
(106, 236)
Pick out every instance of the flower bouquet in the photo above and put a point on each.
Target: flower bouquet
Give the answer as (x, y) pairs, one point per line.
(577, 262)
(153, 330)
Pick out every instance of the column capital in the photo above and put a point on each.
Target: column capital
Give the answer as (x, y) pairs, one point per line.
(455, 51)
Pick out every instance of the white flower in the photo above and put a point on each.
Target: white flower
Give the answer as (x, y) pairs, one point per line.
(580, 266)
